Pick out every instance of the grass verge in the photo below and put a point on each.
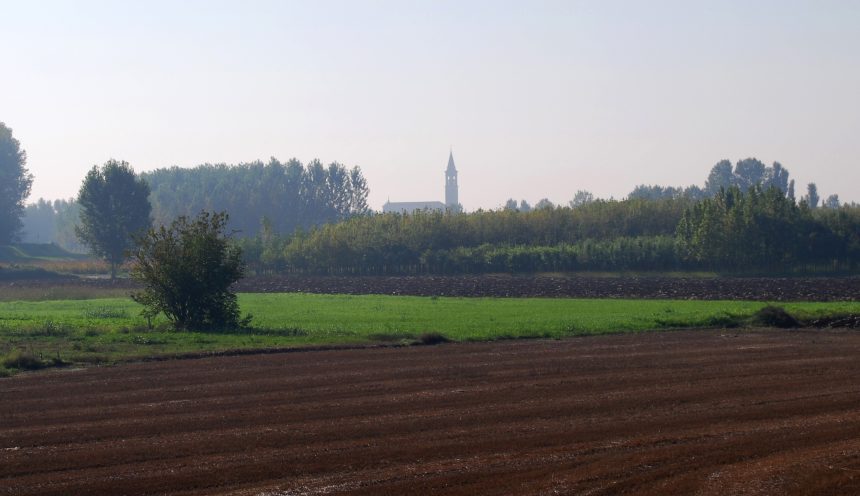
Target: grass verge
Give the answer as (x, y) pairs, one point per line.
(109, 330)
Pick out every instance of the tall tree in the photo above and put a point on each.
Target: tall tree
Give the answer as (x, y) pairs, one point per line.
(812, 197)
(15, 183)
(544, 203)
(750, 172)
(694, 193)
(582, 197)
(655, 192)
(292, 195)
(114, 208)
(39, 222)
(776, 177)
(832, 201)
(358, 192)
(721, 177)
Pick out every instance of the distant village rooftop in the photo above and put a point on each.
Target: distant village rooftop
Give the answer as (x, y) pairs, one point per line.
(451, 195)
(409, 207)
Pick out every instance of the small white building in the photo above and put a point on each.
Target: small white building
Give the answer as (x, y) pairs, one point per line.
(451, 196)
(409, 207)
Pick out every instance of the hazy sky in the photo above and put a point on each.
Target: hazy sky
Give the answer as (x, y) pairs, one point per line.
(538, 99)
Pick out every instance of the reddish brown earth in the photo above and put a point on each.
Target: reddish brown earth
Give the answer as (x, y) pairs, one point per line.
(706, 412)
(573, 286)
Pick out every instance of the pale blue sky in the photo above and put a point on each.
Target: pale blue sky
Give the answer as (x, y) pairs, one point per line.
(538, 99)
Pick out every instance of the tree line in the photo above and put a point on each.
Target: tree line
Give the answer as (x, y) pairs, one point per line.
(283, 195)
(745, 174)
(314, 218)
(757, 230)
(15, 184)
(273, 195)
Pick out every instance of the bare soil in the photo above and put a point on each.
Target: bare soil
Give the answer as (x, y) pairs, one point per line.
(704, 412)
(574, 286)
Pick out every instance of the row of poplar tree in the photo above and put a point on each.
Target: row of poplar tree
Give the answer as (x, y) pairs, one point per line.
(753, 231)
(292, 217)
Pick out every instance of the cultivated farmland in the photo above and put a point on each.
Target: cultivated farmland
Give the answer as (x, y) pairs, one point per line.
(644, 286)
(705, 412)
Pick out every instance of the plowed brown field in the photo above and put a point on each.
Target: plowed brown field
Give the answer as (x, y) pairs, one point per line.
(706, 412)
(572, 286)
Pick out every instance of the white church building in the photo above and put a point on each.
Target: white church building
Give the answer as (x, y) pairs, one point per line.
(452, 200)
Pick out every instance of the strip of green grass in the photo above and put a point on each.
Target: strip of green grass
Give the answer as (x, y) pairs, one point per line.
(111, 329)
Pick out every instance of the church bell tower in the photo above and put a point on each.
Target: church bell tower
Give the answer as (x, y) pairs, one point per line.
(451, 196)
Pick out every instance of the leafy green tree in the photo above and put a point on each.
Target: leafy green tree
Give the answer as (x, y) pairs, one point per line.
(582, 197)
(720, 177)
(694, 193)
(511, 205)
(290, 194)
(39, 222)
(776, 176)
(358, 191)
(811, 197)
(749, 172)
(187, 270)
(543, 204)
(15, 183)
(68, 215)
(114, 208)
(646, 192)
(755, 229)
(832, 201)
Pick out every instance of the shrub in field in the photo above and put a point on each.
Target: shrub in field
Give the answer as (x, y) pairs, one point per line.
(723, 320)
(186, 271)
(772, 316)
(432, 338)
(23, 361)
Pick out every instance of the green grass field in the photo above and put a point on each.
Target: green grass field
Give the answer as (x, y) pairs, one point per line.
(111, 329)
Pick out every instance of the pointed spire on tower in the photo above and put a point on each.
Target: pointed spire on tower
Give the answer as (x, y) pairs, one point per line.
(451, 194)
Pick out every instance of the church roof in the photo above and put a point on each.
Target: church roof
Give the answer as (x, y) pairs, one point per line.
(409, 207)
(451, 167)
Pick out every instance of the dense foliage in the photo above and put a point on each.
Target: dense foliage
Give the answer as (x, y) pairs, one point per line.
(745, 174)
(766, 230)
(53, 222)
(279, 197)
(313, 218)
(186, 270)
(597, 235)
(286, 195)
(15, 182)
(757, 230)
(114, 208)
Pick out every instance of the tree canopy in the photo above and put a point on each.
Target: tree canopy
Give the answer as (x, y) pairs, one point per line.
(812, 197)
(15, 183)
(753, 231)
(291, 195)
(186, 270)
(745, 174)
(115, 207)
